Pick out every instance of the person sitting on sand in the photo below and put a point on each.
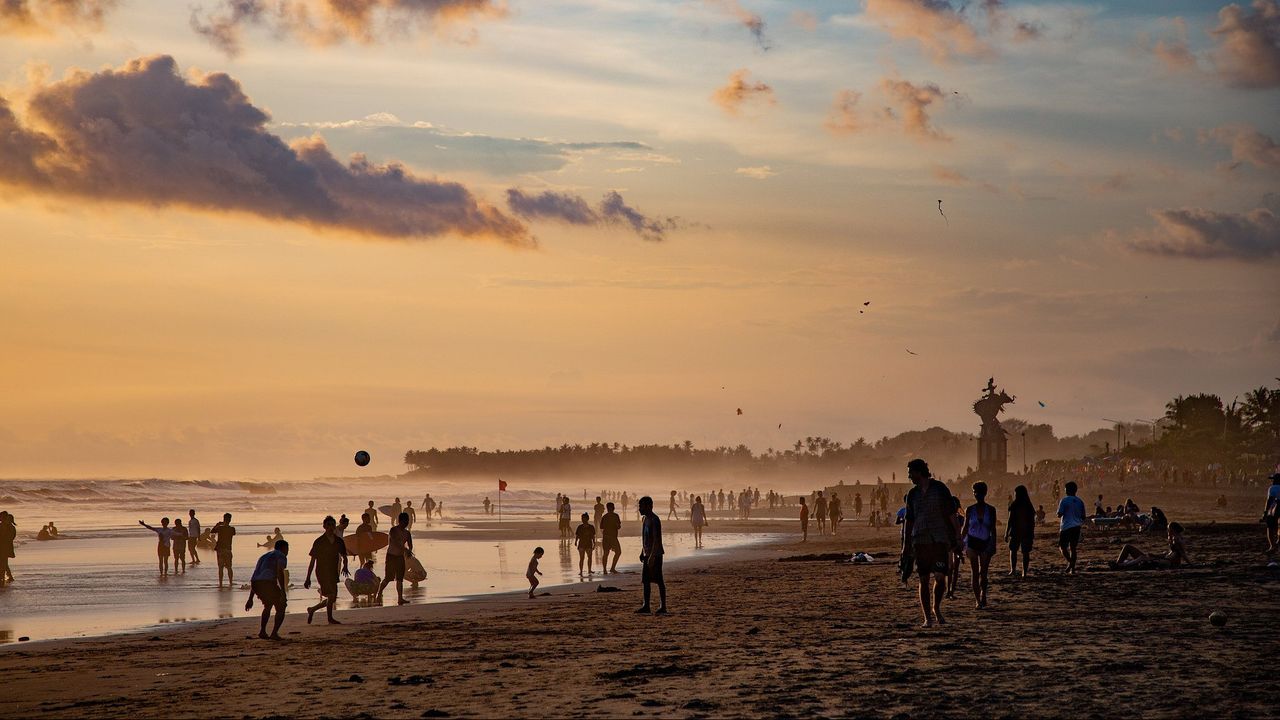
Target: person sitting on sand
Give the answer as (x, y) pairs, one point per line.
(1132, 558)
(1158, 522)
(533, 572)
(585, 539)
(164, 536)
(272, 539)
(44, 533)
(365, 582)
(8, 541)
(53, 531)
(327, 552)
(610, 525)
(269, 585)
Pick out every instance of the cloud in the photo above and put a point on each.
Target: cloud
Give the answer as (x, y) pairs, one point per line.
(942, 30)
(760, 172)
(1248, 146)
(998, 17)
(1209, 235)
(1111, 184)
(951, 176)
(1248, 52)
(574, 210)
(804, 20)
(739, 90)
(907, 109)
(1173, 52)
(144, 135)
(331, 22)
(753, 22)
(34, 17)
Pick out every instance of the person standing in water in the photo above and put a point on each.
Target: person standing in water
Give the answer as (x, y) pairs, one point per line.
(413, 514)
(399, 547)
(1021, 530)
(396, 509)
(164, 536)
(222, 548)
(180, 538)
(585, 539)
(1071, 510)
(979, 533)
(804, 520)
(698, 517)
(599, 511)
(327, 552)
(610, 525)
(8, 538)
(487, 505)
(372, 512)
(193, 534)
(651, 555)
(928, 536)
(269, 585)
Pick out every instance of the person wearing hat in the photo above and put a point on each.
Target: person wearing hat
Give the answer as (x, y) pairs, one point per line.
(1271, 514)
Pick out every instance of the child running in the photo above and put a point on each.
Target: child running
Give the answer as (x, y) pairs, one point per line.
(533, 572)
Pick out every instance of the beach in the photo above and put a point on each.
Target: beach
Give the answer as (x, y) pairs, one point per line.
(756, 631)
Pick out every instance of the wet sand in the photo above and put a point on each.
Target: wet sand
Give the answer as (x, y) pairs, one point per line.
(749, 636)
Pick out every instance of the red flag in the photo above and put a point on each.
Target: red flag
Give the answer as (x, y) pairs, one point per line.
(502, 486)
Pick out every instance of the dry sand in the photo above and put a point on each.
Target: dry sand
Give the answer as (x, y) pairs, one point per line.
(749, 636)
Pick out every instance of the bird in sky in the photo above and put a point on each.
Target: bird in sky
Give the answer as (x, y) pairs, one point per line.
(911, 353)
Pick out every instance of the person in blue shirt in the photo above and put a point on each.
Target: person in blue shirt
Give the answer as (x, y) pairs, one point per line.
(271, 586)
(1071, 510)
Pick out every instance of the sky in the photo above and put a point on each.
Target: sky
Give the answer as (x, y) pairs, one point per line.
(248, 239)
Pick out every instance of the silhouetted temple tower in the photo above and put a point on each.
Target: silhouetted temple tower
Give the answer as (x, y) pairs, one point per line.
(993, 442)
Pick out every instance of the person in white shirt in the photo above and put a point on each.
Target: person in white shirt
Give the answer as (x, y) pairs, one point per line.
(193, 532)
(164, 534)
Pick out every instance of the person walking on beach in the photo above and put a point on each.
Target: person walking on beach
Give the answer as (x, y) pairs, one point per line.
(585, 539)
(222, 548)
(193, 535)
(1271, 515)
(1071, 510)
(820, 512)
(327, 552)
(396, 509)
(399, 547)
(804, 520)
(413, 514)
(651, 555)
(672, 514)
(533, 572)
(8, 538)
(833, 512)
(1021, 530)
(979, 533)
(599, 511)
(929, 535)
(698, 517)
(430, 504)
(164, 536)
(180, 538)
(857, 505)
(610, 525)
(269, 585)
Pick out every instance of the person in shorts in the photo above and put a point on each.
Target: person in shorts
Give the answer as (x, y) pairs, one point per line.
(193, 533)
(929, 536)
(399, 547)
(327, 553)
(1071, 510)
(651, 552)
(222, 548)
(610, 525)
(269, 585)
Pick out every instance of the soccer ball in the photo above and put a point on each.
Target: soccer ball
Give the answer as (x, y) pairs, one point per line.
(1217, 618)
(362, 458)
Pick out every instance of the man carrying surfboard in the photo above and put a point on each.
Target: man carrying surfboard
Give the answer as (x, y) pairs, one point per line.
(399, 546)
(327, 552)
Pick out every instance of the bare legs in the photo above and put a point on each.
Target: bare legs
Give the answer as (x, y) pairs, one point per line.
(979, 565)
(932, 610)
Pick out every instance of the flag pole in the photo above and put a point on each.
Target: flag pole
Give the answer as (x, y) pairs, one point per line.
(499, 500)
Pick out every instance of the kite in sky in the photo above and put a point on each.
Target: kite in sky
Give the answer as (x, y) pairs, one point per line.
(1041, 403)
(739, 411)
(944, 215)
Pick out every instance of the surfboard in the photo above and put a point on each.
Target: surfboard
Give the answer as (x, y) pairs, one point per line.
(355, 547)
(414, 572)
(386, 510)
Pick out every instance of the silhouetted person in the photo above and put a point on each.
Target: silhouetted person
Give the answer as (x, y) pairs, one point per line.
(833, 512)
(327, 553)
(979, 533)
(396, 509)
(672, 514)
(820, 512)
(269, 585)
(372, 512)
(193, 535)
(651, 555)
(1071, 510)
(698, 517)
(598, 510)
(179, 546)
(610, 525)
(164, 545)
(222, 548)
(399, 547)
(1271, 515)
(364, 538)
(487, 505)
(8, 538)
(857, 505)
(585, 539)
(1021, 530)
(929, 536)
(413, 514)
(804, 520)
(1132, 558)
(532, 573)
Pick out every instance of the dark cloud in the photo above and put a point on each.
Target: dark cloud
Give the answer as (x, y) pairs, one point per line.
(740, 90)
(143, 134)
(330, 22)
(572, 209)
(1248, 52)
(25, 17)
(753, 22)
(1209, 235)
